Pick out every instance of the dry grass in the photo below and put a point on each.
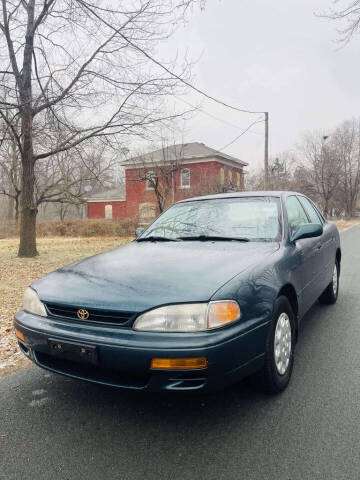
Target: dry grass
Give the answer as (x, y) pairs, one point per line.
(17, 273)
(346, 224)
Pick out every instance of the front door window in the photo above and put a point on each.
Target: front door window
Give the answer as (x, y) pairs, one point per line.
(296, 214)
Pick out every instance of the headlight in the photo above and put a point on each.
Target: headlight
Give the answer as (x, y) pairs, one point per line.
(32, 304)
(190, 317)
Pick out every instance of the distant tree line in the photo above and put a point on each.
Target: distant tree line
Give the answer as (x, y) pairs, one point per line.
(64, 179)
(325, 166)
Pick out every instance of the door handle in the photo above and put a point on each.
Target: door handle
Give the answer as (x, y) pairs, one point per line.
(318, 246)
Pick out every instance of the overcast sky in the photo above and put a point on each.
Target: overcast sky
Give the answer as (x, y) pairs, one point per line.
(268, 55)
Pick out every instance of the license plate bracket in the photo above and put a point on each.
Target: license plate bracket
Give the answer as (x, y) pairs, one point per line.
(74, 351)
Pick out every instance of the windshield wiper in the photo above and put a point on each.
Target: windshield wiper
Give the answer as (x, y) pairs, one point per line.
(204, 238)
(155, 238)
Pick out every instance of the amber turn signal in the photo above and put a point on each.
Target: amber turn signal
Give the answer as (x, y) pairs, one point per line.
(178, 363)
(20, 335)
(221, 313)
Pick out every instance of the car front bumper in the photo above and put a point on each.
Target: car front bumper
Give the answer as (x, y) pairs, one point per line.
(124, 356)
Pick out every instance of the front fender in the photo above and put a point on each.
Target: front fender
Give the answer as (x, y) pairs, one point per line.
(257, 288)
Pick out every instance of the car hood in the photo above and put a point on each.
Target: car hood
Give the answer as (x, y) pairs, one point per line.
(140, 276)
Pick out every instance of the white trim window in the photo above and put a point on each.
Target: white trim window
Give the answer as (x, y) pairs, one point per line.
(149, 184)
(185, 178)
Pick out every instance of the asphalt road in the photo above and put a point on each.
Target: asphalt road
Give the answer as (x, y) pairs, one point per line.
(55, 428)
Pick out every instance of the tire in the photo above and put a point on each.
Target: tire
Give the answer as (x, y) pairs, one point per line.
(275, 375)
(330, 294)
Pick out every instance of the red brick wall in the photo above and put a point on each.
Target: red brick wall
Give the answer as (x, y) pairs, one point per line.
(204, 178)
(97, 209)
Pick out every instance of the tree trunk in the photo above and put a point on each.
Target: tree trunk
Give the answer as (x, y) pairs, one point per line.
(17, 210)
(351, 208)
(63, 212)
(159, 198)
(11, 207)
(326, 208)
(27, 246)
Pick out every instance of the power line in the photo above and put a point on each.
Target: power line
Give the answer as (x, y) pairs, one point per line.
(188, 84)
(182, 80)
(225, 122)
(241, 134)
(162, 66)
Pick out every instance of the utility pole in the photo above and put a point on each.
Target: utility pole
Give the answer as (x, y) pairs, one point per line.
(266, 156)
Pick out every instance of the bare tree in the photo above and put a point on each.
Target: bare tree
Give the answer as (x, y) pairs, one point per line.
(255, 181)
(64, 177)
(10, 171)
(323, 167)
(346, 145)
(326, 168)
(281, 170)
(302, 181)
(281, 174)
(158, 171)
(348, 17)
(85, 69)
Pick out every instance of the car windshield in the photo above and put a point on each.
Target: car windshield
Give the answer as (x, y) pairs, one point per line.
(241, 218)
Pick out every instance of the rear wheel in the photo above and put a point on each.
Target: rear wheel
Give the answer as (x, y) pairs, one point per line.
(279, 356)
(330, 294)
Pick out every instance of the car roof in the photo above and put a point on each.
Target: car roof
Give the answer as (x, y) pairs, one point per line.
(258, 193)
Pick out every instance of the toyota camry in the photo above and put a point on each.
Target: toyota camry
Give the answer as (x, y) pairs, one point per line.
(210, 293)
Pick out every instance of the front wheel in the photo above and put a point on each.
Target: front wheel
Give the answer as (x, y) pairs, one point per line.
(279, 356)
(330, 294)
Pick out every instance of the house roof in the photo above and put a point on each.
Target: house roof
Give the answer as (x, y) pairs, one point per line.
(183, 152)
(115, 194)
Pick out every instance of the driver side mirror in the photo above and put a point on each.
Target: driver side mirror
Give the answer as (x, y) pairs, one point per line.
(139, 231)
(307, 230)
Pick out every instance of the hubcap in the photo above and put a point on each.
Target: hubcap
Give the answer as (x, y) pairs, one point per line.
(335, 280)
(282, 343)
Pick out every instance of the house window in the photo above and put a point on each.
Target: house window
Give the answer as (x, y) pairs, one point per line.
(230, 176)
(108, 212)
(185, 178)
(150, 177)
(238, 179)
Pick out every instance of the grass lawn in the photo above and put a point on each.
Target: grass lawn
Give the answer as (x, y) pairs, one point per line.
(17, 273)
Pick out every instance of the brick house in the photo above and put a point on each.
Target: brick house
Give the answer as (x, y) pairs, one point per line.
(195, 169)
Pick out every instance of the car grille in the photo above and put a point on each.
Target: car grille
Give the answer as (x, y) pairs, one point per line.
(95, 315)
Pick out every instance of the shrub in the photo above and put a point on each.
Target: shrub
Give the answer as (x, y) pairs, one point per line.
(123, 227)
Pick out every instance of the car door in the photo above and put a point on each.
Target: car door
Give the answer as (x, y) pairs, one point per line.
(308, 263)
(328, 242)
